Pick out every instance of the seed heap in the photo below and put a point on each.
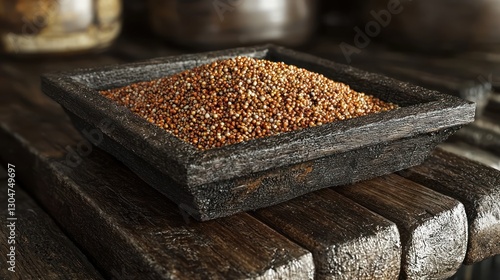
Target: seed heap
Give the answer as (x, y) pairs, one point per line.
(242, 98)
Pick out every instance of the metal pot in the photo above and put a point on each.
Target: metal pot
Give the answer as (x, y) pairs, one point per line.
(58, 26)
(213, 24)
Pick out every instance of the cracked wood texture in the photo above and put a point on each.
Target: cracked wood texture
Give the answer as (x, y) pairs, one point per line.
(433, 227)
(477, 187)
(347, 240)
(128, 227)
(42, 250)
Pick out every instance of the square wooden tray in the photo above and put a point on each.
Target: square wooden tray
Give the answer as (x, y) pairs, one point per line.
(262, 172)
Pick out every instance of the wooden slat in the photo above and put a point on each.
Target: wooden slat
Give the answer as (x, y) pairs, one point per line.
(472, 152)
(433, 227)
(347, 240)
(483, 133)
(477, 187)
(125, 225)
(42, 251)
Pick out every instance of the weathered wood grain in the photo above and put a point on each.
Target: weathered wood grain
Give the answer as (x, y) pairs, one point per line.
(477, 187)
(433, 227)
(216, 182)
(128, 227)
(42, 251)
(347, 240)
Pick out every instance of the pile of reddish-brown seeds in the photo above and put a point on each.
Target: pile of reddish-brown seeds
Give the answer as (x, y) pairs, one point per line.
(240, 99)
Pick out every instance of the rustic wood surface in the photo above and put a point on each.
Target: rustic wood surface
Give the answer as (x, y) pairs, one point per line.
(42, 250)
(477, 187)
(139, 232)
(22, 100)
(433, 227)
(347, 240)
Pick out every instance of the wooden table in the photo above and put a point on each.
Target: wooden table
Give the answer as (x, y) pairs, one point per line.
(97, 219)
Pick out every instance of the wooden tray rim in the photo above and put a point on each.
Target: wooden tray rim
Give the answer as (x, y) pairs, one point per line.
(75, 91)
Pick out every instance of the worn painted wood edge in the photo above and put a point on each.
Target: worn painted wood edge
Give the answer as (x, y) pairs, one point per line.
(347, 240)
(433, 227)
(477, 187)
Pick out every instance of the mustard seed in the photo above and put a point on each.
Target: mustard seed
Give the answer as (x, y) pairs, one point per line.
(239, 99)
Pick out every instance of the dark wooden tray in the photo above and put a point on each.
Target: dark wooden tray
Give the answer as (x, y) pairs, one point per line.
(258, 173)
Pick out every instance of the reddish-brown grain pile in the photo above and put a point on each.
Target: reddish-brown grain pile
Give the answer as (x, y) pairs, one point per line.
(239, 99)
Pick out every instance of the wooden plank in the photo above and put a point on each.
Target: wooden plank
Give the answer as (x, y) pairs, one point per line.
(347, 240)
(477, 187)
(472, 152)
(41, 250)
(483, 133)
(433, 227)
(128, 227)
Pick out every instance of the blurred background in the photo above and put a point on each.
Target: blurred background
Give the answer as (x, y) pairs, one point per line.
(56, 26)
(448, 45)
